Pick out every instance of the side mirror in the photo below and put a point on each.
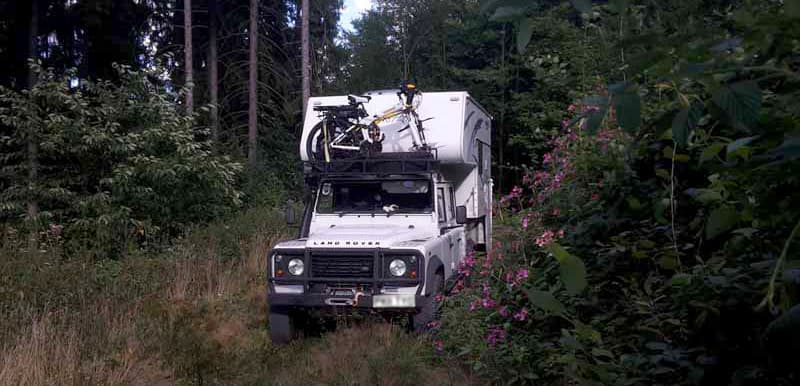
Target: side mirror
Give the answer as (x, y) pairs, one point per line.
(461, 214)
(290, 220)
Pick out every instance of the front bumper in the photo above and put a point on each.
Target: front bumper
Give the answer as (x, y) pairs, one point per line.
(383, 302)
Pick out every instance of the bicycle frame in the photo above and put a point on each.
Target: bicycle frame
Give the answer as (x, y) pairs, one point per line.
(416, 137)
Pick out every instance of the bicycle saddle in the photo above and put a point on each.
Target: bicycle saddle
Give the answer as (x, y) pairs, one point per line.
(358, 98)
(334, 108)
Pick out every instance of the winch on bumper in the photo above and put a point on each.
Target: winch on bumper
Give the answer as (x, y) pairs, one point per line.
(362, 279)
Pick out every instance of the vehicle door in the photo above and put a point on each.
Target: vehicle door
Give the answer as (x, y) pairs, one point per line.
(451, 233)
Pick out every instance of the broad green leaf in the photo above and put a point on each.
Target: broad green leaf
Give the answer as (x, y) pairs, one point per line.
(573, 274)
(706, 196)
(736, 145)
(583, 6)
(721, 220)
(792, 8)
(546, 301)
(628, 106)
(685, 122)
(572, 269)
(741, 102)
(668, 262)
(711, 151)
(681, 279)
(524, 33)
(558, 252)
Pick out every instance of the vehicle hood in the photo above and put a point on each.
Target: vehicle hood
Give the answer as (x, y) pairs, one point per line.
(366, 236)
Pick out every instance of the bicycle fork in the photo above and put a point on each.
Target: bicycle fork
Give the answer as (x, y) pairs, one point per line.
(326, 142)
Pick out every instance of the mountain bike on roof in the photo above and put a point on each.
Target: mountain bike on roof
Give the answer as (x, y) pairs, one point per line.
(341, 133)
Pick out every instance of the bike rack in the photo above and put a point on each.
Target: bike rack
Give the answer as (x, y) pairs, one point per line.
(382, 163)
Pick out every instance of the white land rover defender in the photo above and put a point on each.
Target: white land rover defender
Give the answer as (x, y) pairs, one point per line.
(383, 232)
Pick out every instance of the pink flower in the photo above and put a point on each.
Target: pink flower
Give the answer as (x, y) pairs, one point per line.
(439, 297)
(438, 345)
(510, 278)
(521, 315)
(488, 303)
(473, 305)
(496, 335)
(503, 311)
(556, 212)
(522, 274)
(434, 324)
(56, 229)
(525, 222)
(545, 239)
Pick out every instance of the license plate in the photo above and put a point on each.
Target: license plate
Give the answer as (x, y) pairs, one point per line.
(344, 293)
(393, 301)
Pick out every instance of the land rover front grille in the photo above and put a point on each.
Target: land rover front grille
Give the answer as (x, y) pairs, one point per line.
(342, 266)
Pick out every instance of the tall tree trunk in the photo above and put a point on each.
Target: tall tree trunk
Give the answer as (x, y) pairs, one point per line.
(306, 54)
(33, 144)
(188, 55)
(252, 121)
(213, 75)
(501, 127)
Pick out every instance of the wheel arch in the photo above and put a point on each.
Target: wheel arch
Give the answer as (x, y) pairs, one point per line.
(434, 266)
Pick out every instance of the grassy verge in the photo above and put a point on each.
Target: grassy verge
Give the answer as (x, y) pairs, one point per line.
(193, 314)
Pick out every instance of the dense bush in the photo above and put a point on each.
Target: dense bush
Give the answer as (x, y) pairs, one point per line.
(113, 164)
(654, 243)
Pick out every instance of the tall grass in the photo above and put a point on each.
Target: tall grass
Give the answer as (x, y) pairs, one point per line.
(194, 313)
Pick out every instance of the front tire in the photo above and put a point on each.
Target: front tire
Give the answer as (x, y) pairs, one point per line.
(430, 309)
(283, 325)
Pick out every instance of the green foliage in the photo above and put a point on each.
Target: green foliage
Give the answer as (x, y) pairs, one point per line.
(136, 174)
(674, 183)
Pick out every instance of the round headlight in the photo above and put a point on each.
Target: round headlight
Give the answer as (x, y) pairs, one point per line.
(296, 267)
(397, 267)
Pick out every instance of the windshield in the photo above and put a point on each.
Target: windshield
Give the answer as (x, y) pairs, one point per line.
(393, 196)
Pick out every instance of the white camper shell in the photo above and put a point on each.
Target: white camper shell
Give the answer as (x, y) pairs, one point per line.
(456, 126)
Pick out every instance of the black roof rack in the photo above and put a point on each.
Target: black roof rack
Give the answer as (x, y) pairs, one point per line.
(382, 163)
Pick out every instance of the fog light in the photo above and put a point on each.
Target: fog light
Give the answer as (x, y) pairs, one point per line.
(279, 273)
(296, 267)
(397, 267)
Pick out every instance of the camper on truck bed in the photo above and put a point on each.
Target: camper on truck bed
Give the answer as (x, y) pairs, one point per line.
(391, 206)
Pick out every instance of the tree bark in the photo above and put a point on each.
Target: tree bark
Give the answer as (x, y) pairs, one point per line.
(188, 55)
(306, 54)
(213, 74)
(252, 121)
(33, 144)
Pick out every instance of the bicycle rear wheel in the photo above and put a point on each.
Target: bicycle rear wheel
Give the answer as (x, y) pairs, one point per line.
(316, 144)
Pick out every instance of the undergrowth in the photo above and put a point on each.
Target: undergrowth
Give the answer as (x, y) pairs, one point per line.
(193, 314)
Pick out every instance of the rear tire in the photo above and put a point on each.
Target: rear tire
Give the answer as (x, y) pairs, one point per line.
(430, 309)
(282, 325)
(315, 145)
